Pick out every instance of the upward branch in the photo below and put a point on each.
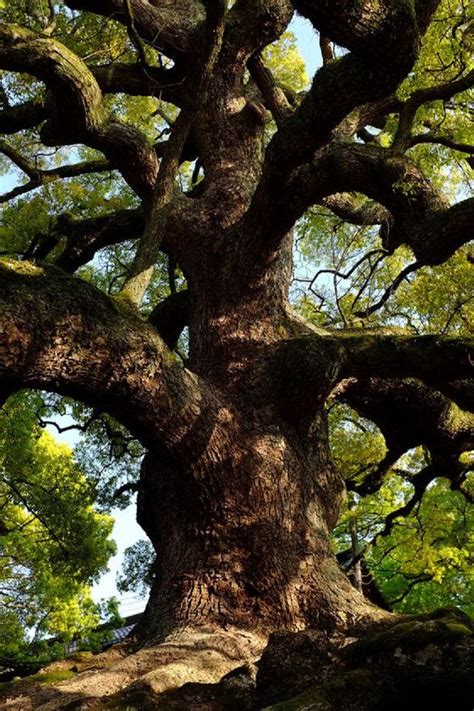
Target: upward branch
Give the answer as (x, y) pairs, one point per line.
(384, 40)
(79, 113)
(148, 248)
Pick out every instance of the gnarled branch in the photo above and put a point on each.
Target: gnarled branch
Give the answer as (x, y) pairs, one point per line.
(79, 114)
(384, 38)
(61, 334)
(171, 27)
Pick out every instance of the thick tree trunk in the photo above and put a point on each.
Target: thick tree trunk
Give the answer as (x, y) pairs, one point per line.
(240, 516)
(242, 539)
(238, 492)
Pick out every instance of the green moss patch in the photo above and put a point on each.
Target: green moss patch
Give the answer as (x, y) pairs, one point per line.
(53, 677)
(355, 690)
(443, 625)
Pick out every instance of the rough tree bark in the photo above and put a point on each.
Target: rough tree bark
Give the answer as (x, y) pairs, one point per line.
(238, 493)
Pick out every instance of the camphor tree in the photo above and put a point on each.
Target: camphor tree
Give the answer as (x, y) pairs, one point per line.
(237, 492)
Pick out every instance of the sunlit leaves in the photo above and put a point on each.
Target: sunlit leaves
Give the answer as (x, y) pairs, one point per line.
(12, 633)
(426, 560)
(286, 63)
(447, 46)
(105, 451)
(53, 543)
(356, 444)
(431, 299)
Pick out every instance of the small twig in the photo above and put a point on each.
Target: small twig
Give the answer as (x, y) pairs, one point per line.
(389, 291)
(131, 486)
(341, 275)
(41, 177)
(134, 36)
(366, 281)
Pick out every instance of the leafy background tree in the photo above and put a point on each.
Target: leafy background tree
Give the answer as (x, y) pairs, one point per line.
(54, 544)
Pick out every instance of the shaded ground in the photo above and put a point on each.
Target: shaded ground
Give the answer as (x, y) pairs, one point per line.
(413, 664)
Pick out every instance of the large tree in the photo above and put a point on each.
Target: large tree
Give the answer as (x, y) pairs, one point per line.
(238, 492)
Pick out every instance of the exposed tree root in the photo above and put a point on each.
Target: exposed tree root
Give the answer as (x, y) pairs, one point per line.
(414, 662)
(197, 657)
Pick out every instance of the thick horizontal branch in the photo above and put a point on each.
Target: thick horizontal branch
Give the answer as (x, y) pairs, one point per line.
(410, 414)
(356, 211)
(61, 334)
(321, 364)
(137, 80)
(436, 360)
(420, 216)
(392, 180)
(166, 25)
(84, 238)
(411, 210)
